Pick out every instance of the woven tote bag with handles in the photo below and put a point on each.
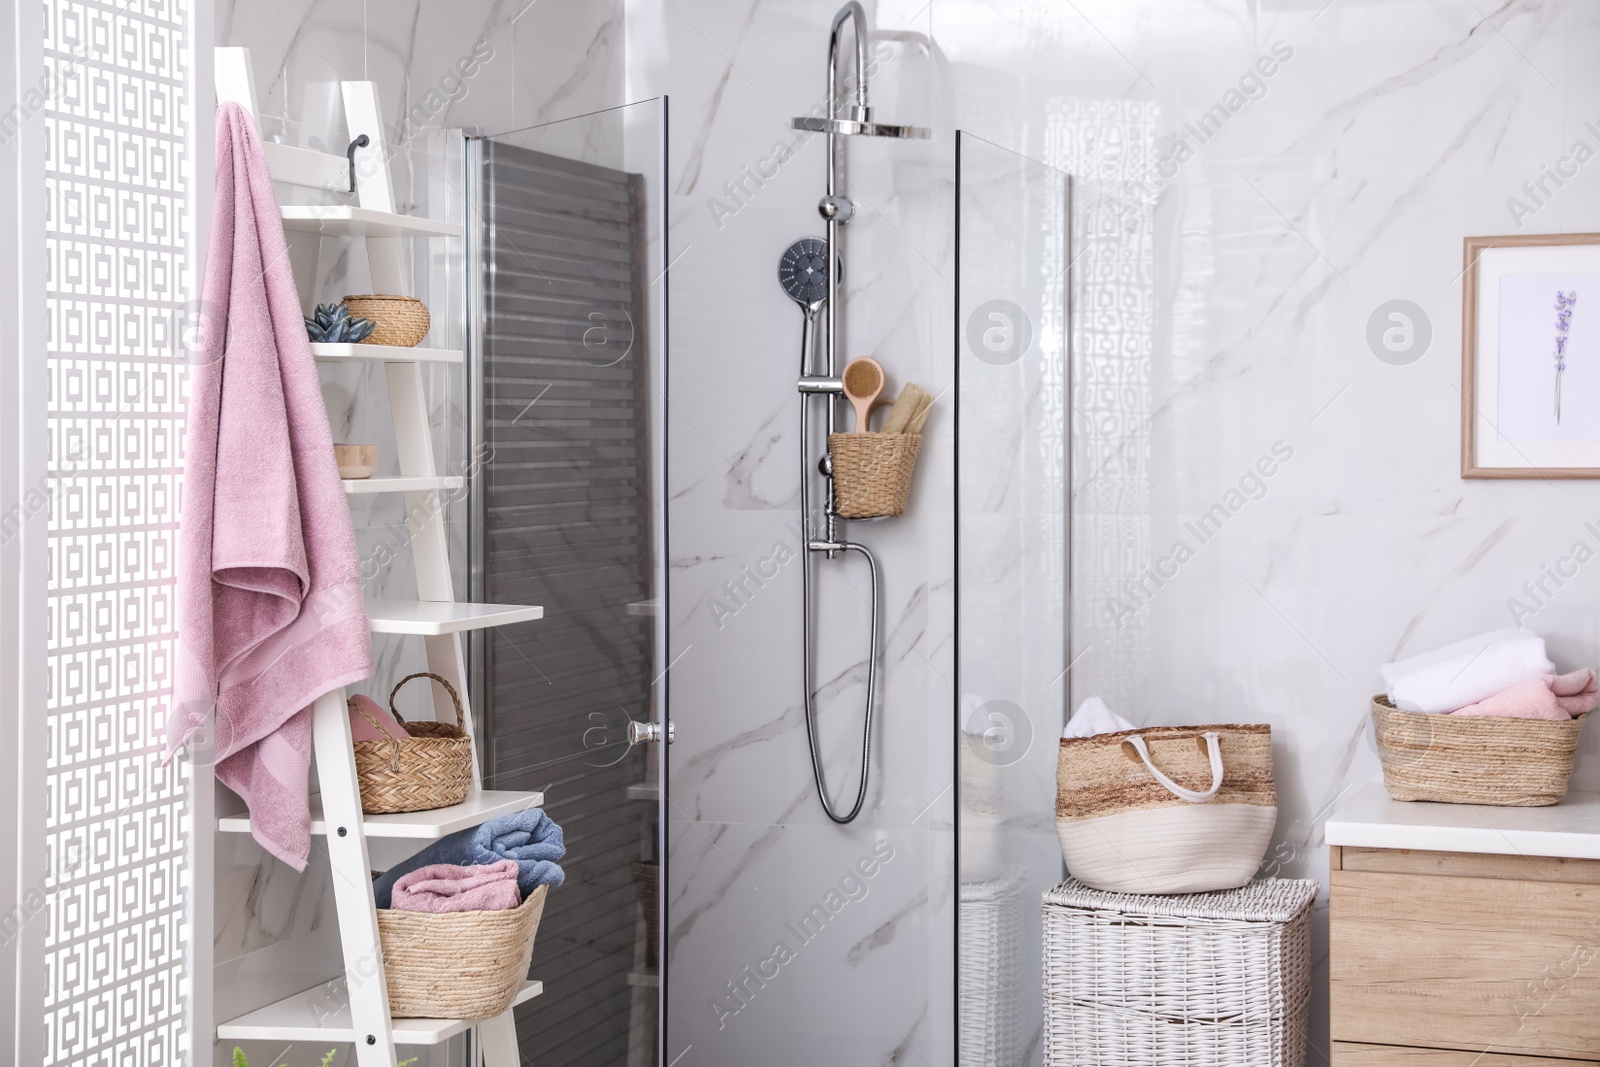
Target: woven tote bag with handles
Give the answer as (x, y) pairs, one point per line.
(1171, 809)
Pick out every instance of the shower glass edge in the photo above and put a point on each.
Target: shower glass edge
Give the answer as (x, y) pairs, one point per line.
(1013, 540)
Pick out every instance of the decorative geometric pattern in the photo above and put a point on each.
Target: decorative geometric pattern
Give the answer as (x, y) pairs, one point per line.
(117, 118)
(1109, 148)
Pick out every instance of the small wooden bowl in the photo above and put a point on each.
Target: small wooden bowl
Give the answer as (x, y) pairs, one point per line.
(356, 461)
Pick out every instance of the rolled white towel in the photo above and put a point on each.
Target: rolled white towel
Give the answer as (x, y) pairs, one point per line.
(1093, 717)
(1465, 672)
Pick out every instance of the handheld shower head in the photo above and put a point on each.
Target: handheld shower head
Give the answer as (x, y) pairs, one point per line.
(803, 272)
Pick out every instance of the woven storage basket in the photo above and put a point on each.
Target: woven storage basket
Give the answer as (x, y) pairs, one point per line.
(647, 883)
(989, 985)
(430, 769)
(401, 321)
(457, 965)
(872, 472)
(1474, 759)
(1205, 980)
(1169, 809)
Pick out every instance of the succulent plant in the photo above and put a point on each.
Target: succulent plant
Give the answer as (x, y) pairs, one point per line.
(334, 325)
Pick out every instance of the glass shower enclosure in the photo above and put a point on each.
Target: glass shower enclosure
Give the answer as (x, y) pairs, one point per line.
(1013, 433)
(566, 403)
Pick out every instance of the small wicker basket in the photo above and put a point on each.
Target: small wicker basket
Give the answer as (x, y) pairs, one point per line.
(430, 769)
(402, 321)
(647, 881)
(872, 472)
(1474, 759)
(458, 965)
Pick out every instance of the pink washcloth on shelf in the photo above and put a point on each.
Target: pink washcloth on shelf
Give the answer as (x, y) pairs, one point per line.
(446, 887)
(361, 726)
(1553, 696)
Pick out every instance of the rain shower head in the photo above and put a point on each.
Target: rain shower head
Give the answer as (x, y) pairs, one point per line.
(855, 119)
(853, 128)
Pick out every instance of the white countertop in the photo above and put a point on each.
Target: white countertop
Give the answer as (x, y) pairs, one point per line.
(1369, 819)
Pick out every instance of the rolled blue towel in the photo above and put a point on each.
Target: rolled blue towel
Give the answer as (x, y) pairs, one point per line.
(529, 836)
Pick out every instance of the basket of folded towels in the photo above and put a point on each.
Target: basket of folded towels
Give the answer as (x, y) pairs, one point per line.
(457, 920)
(1483, 721)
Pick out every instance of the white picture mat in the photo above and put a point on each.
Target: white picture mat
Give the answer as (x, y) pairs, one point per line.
(1580, 391)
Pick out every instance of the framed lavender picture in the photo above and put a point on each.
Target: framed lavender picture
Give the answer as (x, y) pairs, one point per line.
(1530, 357)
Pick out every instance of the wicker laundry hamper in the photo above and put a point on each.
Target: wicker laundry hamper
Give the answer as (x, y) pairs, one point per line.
(647, 883)
(990, 984)
(430, 769)
(1205, 980)
(872, 472)
(458, 965)
(1474, 759)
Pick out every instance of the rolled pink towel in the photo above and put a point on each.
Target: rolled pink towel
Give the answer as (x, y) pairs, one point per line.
(447, 887)
(1552, 696)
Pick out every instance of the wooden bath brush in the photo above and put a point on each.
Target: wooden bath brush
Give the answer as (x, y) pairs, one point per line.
(863, 382)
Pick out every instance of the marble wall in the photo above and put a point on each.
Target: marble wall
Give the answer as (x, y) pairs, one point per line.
(751, 850)
(1221, 309)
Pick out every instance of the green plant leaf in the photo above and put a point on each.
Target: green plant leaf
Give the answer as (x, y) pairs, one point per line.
(238, 1057)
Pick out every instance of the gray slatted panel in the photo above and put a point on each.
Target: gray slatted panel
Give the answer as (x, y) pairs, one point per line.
(568, 526)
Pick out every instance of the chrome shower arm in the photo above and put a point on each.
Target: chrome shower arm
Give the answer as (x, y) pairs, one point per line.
(852, 11)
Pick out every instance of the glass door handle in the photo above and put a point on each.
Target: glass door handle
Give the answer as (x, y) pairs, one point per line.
(641, 732)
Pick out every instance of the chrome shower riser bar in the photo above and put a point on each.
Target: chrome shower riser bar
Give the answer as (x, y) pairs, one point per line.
(837, 210)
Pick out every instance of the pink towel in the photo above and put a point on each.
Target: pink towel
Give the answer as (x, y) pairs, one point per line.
(444, 887)
(1552, 696)
(269, 585)
(361, 726)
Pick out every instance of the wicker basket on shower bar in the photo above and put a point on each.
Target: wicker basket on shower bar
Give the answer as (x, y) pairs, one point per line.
(458, 965)
(1474, 759)
(872, 472)
(430, 769)
(1206, 979)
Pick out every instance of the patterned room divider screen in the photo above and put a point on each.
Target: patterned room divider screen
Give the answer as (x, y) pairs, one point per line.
(118, 112)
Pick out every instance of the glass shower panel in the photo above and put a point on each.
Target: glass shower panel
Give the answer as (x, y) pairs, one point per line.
(568, 362)
(1013, 421)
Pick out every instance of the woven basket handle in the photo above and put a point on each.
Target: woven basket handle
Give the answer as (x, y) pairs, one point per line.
(1213, 742)
(448, 688)
(394, 744)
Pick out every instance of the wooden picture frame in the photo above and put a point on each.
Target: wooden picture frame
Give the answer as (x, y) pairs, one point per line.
(1486, 451)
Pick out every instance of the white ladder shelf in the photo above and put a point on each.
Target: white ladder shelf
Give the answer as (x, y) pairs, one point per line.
(356, 842)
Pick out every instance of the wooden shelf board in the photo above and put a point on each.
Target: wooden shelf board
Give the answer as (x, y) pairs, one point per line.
(386, 353)
(479, 807)
(345, 220)
(429, 618)
(322, 1014)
